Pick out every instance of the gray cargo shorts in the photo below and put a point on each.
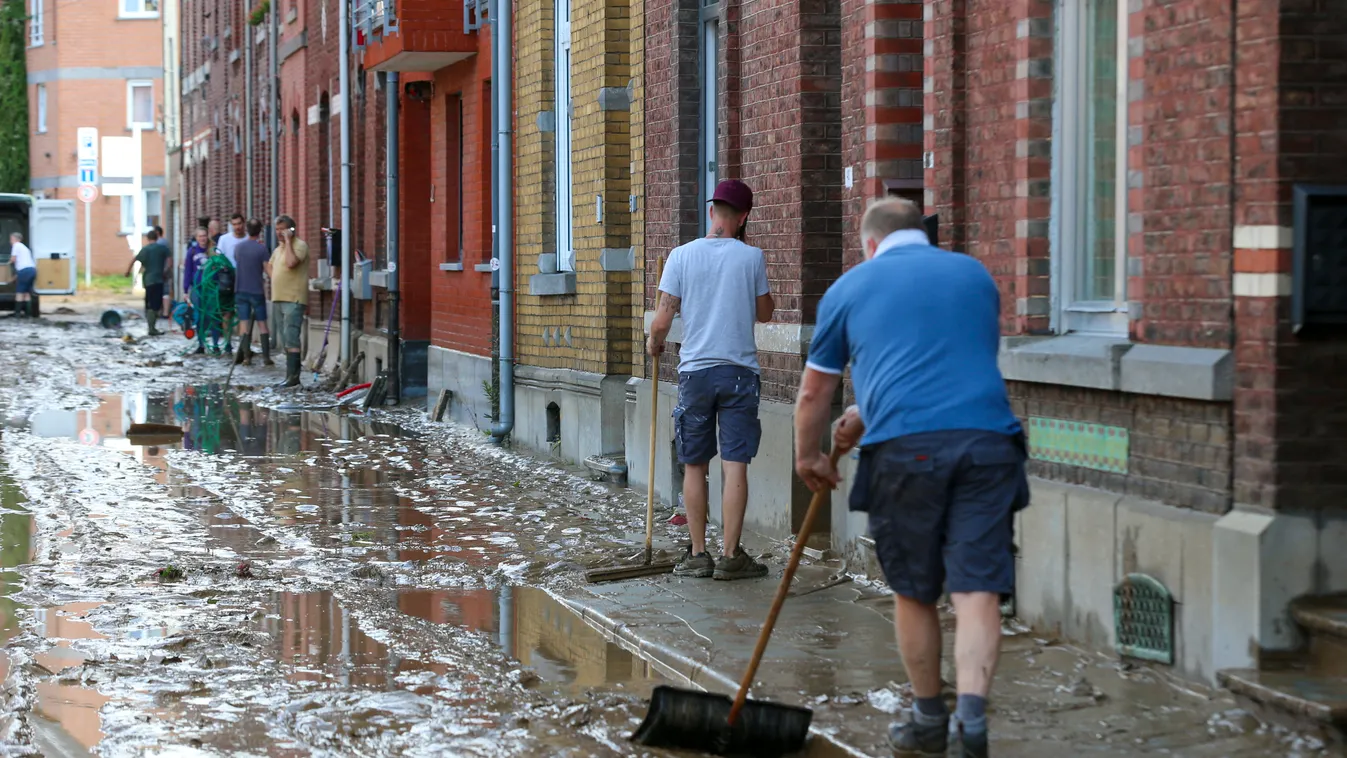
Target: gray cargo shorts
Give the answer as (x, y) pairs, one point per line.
(291, 323)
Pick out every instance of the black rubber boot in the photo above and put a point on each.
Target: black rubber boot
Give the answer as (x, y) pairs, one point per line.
(266, 351)
(241, 355)
(152, 318)
(292, 369)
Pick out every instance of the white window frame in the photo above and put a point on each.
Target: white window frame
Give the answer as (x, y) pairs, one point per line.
(708, 72)
(122, 12)
(565, 205)
(1071, 179)
(41, 109)
(128, 211)
(131, 86)
(35, 23)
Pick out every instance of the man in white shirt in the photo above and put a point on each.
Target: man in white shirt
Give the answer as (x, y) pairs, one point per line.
(25, 268)
(237, 233)
(719, 286)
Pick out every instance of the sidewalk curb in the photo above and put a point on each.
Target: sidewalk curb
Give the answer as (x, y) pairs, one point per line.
(672, 662)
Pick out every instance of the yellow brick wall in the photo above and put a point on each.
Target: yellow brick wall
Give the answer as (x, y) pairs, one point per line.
(600, 314)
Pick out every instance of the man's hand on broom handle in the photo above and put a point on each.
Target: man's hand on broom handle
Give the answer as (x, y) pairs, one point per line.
(848, 430)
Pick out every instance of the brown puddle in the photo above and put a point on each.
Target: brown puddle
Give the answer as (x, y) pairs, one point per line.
(320, 643)
(71, 706)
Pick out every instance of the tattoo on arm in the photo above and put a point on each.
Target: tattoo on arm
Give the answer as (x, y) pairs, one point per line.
(670, 303)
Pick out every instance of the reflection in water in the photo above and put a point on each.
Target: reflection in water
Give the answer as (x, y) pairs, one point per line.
(321, 643)
(72, 706)
(16, 531)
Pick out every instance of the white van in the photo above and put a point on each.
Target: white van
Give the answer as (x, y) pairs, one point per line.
(48, 228)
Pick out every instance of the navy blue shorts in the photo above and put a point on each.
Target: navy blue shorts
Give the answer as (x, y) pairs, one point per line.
(24, 281)
(942, 508)
(251, 307)
(724, 394)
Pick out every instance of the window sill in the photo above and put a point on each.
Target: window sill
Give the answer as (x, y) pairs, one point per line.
(451, 266)
(482, 268)
(546, 285)
(379, 279)
(320, 285)
(137, 16)
(1114, 364)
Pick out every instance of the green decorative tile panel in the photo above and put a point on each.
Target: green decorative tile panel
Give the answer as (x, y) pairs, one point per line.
(1077, 443)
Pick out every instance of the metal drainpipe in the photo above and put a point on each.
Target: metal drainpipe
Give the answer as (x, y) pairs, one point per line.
(502, 93)
(391, 191)
(248, 144)
(273, 119)
(344, 100)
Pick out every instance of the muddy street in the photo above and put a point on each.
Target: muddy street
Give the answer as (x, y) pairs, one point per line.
(289, 577)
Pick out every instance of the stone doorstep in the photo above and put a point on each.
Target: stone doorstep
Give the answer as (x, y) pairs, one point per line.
(1322, 614)
(1301, 695)
(1308, 687)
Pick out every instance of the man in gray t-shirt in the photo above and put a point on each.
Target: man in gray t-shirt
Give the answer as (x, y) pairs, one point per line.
(719, 285)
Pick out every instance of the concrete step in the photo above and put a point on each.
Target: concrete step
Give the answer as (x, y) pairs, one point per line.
(1324, 619)
(1296, 697)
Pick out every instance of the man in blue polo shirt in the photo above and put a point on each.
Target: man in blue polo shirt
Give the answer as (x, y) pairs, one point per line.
(942, 458)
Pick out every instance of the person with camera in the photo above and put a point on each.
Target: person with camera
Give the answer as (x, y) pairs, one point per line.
(289, 272)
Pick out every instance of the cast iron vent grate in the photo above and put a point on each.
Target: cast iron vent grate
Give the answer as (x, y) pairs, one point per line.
(1143, 617)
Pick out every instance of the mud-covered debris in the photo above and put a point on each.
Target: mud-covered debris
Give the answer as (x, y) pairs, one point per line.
(368, 571)
(170, 573)
(267, 540)
(244, 570)
(524, 677)
(577, 716)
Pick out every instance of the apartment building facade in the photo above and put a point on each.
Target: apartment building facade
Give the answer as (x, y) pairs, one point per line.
(99, 65)
(818, 108)
(1163, 212)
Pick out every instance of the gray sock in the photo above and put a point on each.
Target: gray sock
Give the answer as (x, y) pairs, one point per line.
(931, 706)
(972, 713)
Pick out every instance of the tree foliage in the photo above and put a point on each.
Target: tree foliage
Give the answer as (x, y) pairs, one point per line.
(13, 97)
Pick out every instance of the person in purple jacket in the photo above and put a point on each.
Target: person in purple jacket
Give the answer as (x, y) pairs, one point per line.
(197, 252)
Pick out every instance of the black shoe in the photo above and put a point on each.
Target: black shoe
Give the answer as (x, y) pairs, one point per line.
(971, 744)
(699, 566)
(200, 350)
(920, 735)
(740, 566)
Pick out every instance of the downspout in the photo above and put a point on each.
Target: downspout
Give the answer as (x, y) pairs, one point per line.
(394, 287)
(273, 117)
(502, 92)
(344, 100)
(247, 39)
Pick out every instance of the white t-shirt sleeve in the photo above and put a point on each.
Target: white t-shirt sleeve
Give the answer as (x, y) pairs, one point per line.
(672, 282)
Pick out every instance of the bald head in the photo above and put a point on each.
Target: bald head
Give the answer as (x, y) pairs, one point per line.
(885, 217)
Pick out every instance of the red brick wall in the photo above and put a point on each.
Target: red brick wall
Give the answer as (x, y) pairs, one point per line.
(414, 213)
(461, 300)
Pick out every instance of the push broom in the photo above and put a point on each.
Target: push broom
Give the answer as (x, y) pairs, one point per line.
(712, 723)
(647, 567)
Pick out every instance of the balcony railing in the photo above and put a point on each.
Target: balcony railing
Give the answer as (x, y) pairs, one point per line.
(476, 14)
(373, 16)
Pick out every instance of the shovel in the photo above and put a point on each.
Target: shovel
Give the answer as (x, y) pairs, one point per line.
(647, 566)
(711, 723)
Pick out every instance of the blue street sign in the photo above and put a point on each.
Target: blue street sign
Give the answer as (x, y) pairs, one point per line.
(88, 175)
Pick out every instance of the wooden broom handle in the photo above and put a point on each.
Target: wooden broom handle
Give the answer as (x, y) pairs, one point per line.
(815, 505)
(654, 422)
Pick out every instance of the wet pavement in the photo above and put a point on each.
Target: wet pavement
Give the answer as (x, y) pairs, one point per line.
(292, 578)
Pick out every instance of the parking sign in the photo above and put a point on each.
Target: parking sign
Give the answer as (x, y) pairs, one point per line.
(86, 138)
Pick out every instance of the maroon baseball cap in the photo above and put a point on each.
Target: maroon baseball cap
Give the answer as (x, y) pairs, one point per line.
(735, 194)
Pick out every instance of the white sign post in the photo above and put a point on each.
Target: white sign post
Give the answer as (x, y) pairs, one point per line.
(86, 138)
